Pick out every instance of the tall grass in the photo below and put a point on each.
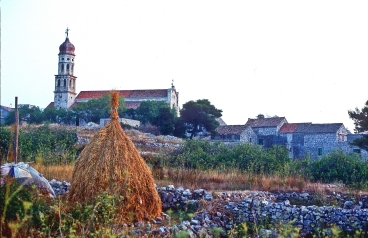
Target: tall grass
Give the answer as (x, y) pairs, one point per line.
(59, 172)
(211, 180)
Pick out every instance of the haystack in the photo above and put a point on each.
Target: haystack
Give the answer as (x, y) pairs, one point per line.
(110, 162)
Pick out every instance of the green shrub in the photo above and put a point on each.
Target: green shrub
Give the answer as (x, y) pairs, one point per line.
(5, 138)
(205, 155)
(53, 145)
(21, 209)
(338, 166)
(12, 197)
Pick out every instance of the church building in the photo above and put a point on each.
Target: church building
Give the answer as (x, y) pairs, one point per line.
(65, 95)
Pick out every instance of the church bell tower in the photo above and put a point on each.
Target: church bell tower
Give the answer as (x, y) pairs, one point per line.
(65, 81)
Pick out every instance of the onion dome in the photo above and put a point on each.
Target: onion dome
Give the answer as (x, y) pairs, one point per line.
(67, 47)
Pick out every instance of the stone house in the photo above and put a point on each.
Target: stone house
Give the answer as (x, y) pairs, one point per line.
(289, 133)
(4, 112)
(316, 139)
(235, 133)
(301, 139)
(267, 129)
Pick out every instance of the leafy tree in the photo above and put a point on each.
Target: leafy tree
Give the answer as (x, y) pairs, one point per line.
(97, 108)
(360, 118)
(198, 114)
(165, 120)
(260, 116)
(51, 114)
(179, 128)
(32, 115)
(148, 110)
(5, 138)
(130, 113)
(338, 166)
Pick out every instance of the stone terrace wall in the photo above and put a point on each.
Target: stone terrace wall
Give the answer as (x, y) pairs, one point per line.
(308, 218)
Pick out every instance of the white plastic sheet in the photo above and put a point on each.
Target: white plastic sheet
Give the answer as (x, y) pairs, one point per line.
(26, 175)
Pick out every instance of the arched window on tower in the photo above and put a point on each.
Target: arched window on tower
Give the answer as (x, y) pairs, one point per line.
(67, 68)
(70, 83)
(58, 83)
(64, 82)
(62, 68)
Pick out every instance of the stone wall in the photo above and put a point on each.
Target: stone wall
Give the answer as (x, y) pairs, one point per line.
(320, 140)
(265, 131)
(301, 144)
(226, 210)
(249, 136)
(308, 218)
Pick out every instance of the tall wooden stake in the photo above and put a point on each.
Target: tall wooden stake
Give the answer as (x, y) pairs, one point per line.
(16, 131)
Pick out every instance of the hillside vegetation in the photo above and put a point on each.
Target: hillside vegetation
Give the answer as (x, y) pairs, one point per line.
(60, 145)
(193, 164)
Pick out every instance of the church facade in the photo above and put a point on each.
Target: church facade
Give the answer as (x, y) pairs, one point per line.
(65, 95)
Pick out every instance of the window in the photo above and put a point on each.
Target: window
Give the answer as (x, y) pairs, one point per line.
(250, 140)
(62, 68)
(58, 84)
(320, 151)
(357, 151)
(260, 141)
(62, 58)
(342, 138)
(67, 66)
(67, 59)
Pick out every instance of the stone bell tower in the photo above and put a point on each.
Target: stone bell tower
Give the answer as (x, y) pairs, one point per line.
(65, 81)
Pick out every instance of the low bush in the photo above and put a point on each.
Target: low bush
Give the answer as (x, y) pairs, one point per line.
(205, 155)
(338, 166)
(53, 145)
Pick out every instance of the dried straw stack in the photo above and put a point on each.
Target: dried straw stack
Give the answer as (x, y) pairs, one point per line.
(110, 162)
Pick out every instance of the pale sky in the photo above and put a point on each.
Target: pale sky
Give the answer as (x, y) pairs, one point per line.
(305, 60)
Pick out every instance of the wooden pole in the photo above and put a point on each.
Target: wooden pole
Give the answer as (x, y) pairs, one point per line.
(16, 131)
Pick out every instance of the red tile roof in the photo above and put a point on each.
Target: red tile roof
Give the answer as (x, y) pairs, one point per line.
(265, 122)
(124, 93)
(295, 127)
(51, 105)
(130, 104)
(288, 127)
(148, 93)
(231, 129)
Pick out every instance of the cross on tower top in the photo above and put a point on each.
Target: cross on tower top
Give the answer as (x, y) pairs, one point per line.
(67, 32)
